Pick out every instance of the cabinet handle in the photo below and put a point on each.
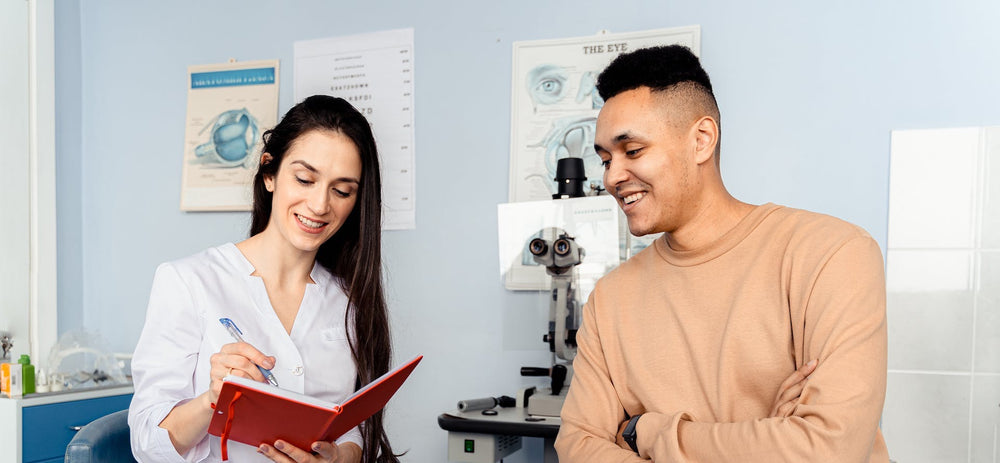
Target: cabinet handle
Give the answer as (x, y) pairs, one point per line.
(75, 428)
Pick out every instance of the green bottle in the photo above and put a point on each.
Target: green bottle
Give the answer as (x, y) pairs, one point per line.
(27, 374)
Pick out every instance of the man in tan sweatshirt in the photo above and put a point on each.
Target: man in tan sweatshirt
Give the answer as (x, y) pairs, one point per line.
(688, 351)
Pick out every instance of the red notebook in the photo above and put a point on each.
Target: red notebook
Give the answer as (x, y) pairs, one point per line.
(253, 413)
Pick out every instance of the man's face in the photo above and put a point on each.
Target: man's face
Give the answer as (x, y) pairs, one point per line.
(649, 163)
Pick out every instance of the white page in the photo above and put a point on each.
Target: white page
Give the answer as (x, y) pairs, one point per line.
(374, 72)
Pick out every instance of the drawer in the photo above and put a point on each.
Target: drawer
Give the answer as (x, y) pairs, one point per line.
(46, 429)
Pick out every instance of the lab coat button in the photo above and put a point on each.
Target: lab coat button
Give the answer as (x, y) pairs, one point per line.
(297, 371)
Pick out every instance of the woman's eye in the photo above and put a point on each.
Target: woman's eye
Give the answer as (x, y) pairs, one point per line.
(303, 181)
(342, 194)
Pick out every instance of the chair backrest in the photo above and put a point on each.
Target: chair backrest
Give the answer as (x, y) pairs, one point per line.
(105, 439)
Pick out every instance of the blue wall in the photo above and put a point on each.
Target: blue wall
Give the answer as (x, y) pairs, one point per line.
(808, 91)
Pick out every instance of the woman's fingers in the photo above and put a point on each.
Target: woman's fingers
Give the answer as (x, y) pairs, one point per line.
(236, 359)
(326, 450)
(287, 453)
(244, 359)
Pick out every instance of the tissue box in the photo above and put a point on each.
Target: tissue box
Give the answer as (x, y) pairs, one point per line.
(11, 380)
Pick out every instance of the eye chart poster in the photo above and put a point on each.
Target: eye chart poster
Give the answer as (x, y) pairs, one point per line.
(229, 106)
(554, 103)
(374, 72)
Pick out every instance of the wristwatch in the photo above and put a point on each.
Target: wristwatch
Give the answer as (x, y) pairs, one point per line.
(629, 433)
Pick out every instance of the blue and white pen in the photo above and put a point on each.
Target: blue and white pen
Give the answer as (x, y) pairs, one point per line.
(237, 335)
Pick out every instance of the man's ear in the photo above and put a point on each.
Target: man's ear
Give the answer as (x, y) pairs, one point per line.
(706, 137)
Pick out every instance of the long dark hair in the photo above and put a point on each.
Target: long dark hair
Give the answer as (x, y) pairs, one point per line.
(354, 253)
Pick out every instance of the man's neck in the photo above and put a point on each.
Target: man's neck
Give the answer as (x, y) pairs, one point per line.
(710, 221)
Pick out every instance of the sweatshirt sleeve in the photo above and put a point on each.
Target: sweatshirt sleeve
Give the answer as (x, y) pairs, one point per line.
(837, 416)
(592, 412)
(162, 368)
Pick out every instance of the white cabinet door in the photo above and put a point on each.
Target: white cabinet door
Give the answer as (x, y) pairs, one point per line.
(27, 184)
(14, 193)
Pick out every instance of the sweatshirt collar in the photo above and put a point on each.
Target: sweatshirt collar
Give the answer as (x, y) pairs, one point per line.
(723, 244)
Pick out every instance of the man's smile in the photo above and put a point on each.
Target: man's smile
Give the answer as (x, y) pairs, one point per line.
(633, 197)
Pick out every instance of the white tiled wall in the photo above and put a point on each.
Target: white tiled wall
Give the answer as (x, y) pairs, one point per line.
(943, 282)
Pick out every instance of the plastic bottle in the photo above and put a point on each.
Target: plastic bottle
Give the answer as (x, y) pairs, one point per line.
(41, 381)
(27, 374)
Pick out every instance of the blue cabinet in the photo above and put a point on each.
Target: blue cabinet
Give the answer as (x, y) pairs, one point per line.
(47, 429)
(45, 423)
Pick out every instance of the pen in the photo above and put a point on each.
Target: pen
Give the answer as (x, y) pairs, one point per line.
(236, 333)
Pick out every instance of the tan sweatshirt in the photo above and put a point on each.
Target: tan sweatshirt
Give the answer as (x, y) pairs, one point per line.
(699, 341)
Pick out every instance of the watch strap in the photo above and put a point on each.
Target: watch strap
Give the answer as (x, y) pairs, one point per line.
(629, 434)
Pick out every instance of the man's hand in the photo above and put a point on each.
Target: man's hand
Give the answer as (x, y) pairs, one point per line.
(789, 391)
(621, 440)
(784, 400)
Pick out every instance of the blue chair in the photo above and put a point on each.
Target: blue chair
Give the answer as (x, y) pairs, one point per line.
(105, 439)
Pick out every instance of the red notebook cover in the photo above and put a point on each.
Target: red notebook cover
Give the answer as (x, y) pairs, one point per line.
(254, 413)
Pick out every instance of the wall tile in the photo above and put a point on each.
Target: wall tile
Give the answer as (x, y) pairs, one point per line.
(929, 270)
(926, 418)
(985, 444)
(930, 331)
(929, 306)
(987, 349)
(989, 234)
(932, 188)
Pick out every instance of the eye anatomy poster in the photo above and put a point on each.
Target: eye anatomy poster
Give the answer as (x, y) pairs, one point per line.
(229, 107)
(373, 72)
(554, 104)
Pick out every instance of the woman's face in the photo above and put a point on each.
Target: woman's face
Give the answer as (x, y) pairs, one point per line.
(315, 189)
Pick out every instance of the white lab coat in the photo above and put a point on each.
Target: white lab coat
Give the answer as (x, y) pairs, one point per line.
(182, 331)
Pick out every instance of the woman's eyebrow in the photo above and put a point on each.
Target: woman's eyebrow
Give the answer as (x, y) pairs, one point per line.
(305, 164)
(315, 171)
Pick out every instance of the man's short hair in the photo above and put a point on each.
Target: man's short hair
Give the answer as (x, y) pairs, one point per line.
(670, 69)
(659, 68)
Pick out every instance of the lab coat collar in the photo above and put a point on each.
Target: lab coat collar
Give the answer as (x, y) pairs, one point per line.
(319, 274)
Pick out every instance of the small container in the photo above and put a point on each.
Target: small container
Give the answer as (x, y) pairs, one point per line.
(27, 374)
(41, 381)
(55, 382)
(11, 383)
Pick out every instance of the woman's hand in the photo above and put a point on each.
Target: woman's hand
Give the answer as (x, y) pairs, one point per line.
(789, 391)
(284, 452)
(237, 359)
(186, 424)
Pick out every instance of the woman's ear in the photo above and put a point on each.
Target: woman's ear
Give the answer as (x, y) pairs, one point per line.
(265, 159)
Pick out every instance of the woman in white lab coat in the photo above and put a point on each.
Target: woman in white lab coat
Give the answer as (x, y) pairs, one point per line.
(305, 288)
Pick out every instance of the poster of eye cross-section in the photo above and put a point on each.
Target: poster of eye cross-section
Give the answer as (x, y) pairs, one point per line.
(229, 106)
(373, 72)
